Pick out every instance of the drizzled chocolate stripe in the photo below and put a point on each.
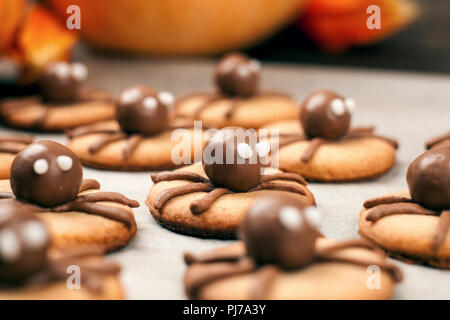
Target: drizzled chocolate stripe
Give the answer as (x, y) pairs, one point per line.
(315, 143)
(391, 205)
(203, 204)
(89, 184)
(25, 139)
(90, 129)
(279, 187)
(384, 200)
(384, 210)
(178, 175)
(224, 265)
(102, 142)
(108, 196)
(11, 149)
(168, 194)
(131, 145)
(290, 176)
(434, 141)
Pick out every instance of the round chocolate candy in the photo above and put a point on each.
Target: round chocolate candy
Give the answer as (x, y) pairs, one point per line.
(232, 159)
(237, 75)
(428, 178)
(280, 230)
(142, 110)
(325, 114)
(24, 241)
(62, 81)
(46, 173)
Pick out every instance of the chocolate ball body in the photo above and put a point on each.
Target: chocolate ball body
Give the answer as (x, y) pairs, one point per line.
(324, 114)
(139, 110)
(428, 178)
(24, 241)
(61, 82)
(46, 173)
(275, 231)
(237, 75)
(225, 159)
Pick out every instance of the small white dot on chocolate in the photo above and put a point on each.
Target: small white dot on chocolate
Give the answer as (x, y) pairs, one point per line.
(290, 217)
(350, 104)
(150, 103)
(313, 216)
(337, 107)
(79, 71)
(255, 65)
(166, 98)
(65, 163)
(40, 166)
(9, 245)
(262, 148)
(61, 69)
(34, 234)
(243, 70)
(244, 151)
(130, 95)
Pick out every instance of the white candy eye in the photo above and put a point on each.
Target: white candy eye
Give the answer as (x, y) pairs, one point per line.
(34, 234)
(130, 95)
(290, 218)
(65, 163)
(262, 148)
(9, 245)
(314, 216)
(150, 103)
(166, 98)
(61, 69)
(79, 71)
(255, 65)
(350, 104)
(337, 107)
(244, 151)
(243, 71)
(40, 166)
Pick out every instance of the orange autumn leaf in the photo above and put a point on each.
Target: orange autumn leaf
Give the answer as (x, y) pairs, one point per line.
(338, 25)
(11, 14)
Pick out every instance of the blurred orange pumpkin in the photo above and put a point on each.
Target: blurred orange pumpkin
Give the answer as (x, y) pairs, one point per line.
(339, 24)
(11, 14)
(179, 26)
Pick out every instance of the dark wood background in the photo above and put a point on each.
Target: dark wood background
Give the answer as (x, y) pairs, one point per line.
(424, 46)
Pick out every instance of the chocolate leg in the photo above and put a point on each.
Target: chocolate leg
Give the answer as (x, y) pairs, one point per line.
(201, 205)
(384, 210)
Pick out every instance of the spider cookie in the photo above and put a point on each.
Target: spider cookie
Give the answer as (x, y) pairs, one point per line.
(415, 225)
(239, 101)
(283, 257)
(211, 198)
(10, 145)
(439, 141)
(63, 102)
(141, 136)
(323, 147)
(47, 177)
(28, 270)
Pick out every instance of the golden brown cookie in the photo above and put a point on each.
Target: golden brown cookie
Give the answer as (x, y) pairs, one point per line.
(358, 158)
(10, 145)
(221, 212)
(238, 100)
(149, 153)
(218, 275)
(71, 228)
(415, 224)
(61, 103)
(408, 231)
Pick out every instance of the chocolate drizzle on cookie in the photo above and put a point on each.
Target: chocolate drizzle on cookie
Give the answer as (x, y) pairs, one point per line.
(428, 179)
(233, 161)
(14, 143)
(60, 84)
(271, 232)
(140, 112)
(48, 177)
(439, 141)
(325, 117)
(237, 79)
